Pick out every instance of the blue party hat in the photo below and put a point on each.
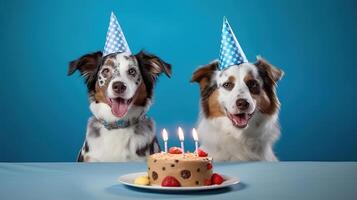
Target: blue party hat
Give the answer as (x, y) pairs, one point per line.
(115, 41)
(230, 53)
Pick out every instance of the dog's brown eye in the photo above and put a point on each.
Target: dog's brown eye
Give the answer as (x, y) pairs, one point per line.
(228, 85)
(253, 86)
(105, 72)
(132, 72)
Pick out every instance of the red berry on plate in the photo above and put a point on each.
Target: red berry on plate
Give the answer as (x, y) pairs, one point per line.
(175, 150)
(207, 182)
(170, 181)
(202, 153)
(217, 179)
(209, 166)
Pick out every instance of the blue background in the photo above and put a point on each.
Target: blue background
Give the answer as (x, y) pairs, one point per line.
(44, 112)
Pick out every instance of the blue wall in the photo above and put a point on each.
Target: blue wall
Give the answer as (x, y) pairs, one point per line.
(44, 112)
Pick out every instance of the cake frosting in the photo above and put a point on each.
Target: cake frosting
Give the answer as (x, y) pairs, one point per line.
(188, 168)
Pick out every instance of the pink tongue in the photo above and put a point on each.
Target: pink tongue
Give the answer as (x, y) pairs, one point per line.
(119, 107)
(241, 120)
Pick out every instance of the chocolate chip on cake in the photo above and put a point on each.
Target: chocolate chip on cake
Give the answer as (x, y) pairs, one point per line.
(172, 165)
(185, 174)
(176, 161)
(198, 169)
(155, 160)
(197, 182)
(163, 168)
(154, 175)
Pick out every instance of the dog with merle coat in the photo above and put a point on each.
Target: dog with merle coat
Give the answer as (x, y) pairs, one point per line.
(120, 89)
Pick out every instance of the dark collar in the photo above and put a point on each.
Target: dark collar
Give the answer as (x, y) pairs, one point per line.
(121, 123)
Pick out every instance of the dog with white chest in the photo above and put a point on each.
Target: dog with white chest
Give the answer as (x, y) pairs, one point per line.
(120, 89)
(239, 105)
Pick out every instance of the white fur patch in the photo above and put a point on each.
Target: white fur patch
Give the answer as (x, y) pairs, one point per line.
(118, 145)
(103, 111)
(240, 91)
(224, 142)
(120, 73)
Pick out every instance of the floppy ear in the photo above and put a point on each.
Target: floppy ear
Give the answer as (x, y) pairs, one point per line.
(153, 64)
(268, 71)
(88, 66)
(204, 74)
(151, 67)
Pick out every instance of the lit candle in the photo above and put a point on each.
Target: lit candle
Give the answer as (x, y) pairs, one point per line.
(182, 138)
(165, 137)
(195, 138)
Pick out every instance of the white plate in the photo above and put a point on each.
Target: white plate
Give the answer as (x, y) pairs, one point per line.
(128, 180)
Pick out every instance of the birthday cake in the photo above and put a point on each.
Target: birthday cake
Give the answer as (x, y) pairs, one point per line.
(176, 169)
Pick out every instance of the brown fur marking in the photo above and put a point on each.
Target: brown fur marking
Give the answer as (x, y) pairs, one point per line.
(99, 94)
(141, 96)
(109, 62)
(231, 79)
(209, 93)
(214, 108)
(267, 101)
(249, 76)
(149, 75)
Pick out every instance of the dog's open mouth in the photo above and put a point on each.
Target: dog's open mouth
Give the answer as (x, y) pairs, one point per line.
(240, 120)
(119, 106)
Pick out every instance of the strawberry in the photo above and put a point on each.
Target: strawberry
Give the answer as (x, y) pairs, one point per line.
(207, 182)
(175, 150)
(217, 179)
(202, 153)
(170, 181)
(209, 166)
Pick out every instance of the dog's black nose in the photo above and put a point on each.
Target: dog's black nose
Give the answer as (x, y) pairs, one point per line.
(119, 87)
(242, 104)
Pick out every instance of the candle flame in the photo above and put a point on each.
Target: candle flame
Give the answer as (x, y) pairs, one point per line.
(180, 133)
(194, 134)
(165, 136)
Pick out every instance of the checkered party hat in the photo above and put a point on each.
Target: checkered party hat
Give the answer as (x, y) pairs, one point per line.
(231, 53)
(115, 42)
